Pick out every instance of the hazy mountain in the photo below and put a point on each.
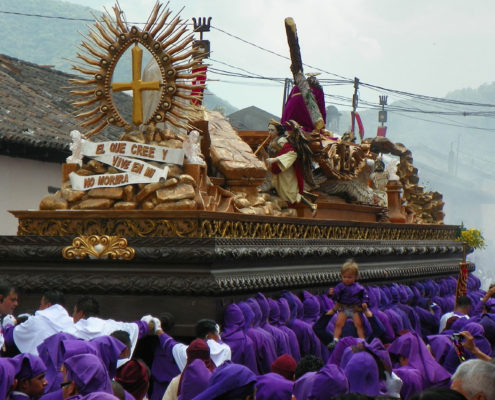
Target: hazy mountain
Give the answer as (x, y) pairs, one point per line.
(54, 42)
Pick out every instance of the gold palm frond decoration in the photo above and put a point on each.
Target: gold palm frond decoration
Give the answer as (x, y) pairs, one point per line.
(169, 44)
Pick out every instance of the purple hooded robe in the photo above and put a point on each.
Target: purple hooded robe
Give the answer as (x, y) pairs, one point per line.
(242, 346)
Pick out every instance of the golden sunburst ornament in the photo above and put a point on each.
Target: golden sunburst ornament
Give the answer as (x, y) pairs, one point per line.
(169, 44)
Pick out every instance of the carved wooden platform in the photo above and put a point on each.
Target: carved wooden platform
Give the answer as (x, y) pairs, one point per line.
(203, 224)
(215, 262)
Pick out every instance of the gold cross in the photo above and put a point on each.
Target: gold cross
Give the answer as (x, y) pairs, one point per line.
(137, 85)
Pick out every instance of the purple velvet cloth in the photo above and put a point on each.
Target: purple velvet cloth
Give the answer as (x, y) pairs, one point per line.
(163, 368)
(273, 386)
(243, 351)
(109, 350)
(296, 109)
(7, 376)
(330, 381)
(194, 380)
(226, 378)
(362, 374)
(350, 295)
(50, 352)
(88, 373)
(410, 345)
(412, 381)
(263, 344)
(28, 366)
(279, 319)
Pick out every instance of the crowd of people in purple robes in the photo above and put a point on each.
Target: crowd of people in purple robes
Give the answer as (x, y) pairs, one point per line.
(419, 343)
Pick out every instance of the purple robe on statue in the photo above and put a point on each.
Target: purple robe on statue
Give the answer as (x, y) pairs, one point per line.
(194, 380)
(279, 319)
(296, 109)
(242, 346)
(410, 345)
(362, 373)
(273, 386)
(263, 343)
(164, 368)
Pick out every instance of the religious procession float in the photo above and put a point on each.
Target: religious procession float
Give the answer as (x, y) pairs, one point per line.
(185, 214)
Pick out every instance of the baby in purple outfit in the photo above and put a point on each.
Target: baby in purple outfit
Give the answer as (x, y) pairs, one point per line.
(350, 300)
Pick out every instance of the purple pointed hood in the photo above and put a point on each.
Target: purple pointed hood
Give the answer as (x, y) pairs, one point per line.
(303, 386)
(440, 346)
(248, 315)
(377, 348)
(71, 348)
(88, 373)
(311, 308)
(338, 351)
(264, 307)
(272, 386)
(226, 378)
(410, 345)
(233, 322)
(474, 329)
(7, 373)
(274, 315)
(285, 315)
(28, 366)
(329, 382)
(109, 350)
(194, 380)
(256, 310)
(362, 374)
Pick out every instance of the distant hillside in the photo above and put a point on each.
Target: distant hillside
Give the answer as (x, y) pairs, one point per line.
(54, 41)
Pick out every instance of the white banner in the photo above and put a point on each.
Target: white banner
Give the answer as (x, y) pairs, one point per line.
(79, 182)
(130, 149)
(135, 167)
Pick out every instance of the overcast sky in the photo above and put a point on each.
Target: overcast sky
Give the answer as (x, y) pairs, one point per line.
(422, 46)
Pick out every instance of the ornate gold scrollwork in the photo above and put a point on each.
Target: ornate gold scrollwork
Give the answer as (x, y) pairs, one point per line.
(96, 246)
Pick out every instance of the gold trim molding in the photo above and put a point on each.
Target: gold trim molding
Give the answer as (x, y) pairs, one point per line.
(99, 247)
(211, 227)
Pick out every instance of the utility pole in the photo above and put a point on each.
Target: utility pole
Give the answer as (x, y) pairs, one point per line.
(355, 101)
(287, 89)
